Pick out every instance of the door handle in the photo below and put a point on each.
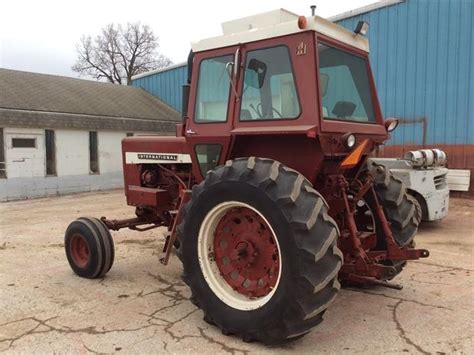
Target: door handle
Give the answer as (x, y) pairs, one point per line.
(190, 132)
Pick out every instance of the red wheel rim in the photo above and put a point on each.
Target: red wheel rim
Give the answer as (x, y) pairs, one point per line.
(79, 250)
(364, 217)
(246, 252)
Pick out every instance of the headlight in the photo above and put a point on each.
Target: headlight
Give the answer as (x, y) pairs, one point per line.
(391, 124)
(349, 140)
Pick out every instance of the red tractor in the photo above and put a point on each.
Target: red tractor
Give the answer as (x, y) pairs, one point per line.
(267, 190)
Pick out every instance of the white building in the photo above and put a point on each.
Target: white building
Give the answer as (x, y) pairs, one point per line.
(62, 135)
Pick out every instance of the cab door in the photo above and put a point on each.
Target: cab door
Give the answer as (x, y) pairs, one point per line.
(211, 107)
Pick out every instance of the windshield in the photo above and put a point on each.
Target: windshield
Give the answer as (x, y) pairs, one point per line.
(344, 86)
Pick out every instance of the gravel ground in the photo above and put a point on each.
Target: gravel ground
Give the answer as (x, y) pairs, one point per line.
(142, 306)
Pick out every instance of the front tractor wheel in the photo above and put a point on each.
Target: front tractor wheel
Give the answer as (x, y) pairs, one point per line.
(259, 251)
(89, 247)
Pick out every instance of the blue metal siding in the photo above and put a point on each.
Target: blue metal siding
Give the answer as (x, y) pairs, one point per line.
(166, 85)
(422, 58)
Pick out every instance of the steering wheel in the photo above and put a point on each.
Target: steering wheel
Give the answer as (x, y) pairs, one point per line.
(259, 112)
(277, 112)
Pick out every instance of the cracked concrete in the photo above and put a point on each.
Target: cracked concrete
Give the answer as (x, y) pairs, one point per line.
(141, 306)
(402, 331)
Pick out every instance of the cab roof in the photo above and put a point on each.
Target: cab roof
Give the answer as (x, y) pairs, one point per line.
(276, 23)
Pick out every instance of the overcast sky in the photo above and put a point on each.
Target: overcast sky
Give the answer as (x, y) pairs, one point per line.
(41, 35)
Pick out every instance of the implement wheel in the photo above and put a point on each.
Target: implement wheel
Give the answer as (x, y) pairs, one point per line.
(89, 247)
(259, 251)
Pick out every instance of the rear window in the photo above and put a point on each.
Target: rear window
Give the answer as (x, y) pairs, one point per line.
(344, 86)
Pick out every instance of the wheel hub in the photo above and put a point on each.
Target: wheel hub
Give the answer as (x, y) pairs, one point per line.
(363, 215)
(246, 253)
(79, 250)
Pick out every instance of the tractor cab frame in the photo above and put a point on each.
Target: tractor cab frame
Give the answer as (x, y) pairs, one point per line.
(234, 90)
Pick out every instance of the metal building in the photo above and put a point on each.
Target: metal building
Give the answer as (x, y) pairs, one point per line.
(164, 83)
(422, 55)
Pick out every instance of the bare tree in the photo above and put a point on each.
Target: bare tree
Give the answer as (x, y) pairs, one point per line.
(118, 53)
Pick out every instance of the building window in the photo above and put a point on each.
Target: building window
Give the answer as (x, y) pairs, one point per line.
(50, 152)
(213, 90)
(129, 134)
(93, 153)
(23, 142)
(3, 170)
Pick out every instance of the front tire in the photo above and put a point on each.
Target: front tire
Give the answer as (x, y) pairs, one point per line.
(259, 251)
(89, 247)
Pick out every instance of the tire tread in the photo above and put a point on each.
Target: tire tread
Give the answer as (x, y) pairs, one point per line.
(319, 257)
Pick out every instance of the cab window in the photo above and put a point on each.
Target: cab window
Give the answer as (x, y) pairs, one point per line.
(269, 90)
(344, 86)
(213, 90)
(208, 156)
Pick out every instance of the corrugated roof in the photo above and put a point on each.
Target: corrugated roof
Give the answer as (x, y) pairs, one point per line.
(159, 70)
(21, 90)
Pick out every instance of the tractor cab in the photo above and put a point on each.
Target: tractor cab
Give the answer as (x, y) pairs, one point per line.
(303, 79)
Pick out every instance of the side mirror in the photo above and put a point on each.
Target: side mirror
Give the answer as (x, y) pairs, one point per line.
(344, 109)
(323, 83)
(255, 73)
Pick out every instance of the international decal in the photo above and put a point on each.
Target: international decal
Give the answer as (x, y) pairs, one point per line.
(169, 157)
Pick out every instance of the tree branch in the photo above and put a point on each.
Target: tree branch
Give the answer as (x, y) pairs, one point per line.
(119, 52)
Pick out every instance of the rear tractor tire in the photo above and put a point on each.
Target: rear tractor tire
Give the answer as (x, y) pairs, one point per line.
(418, 208)
(401, 209)
(89, 247)
(259, 251)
